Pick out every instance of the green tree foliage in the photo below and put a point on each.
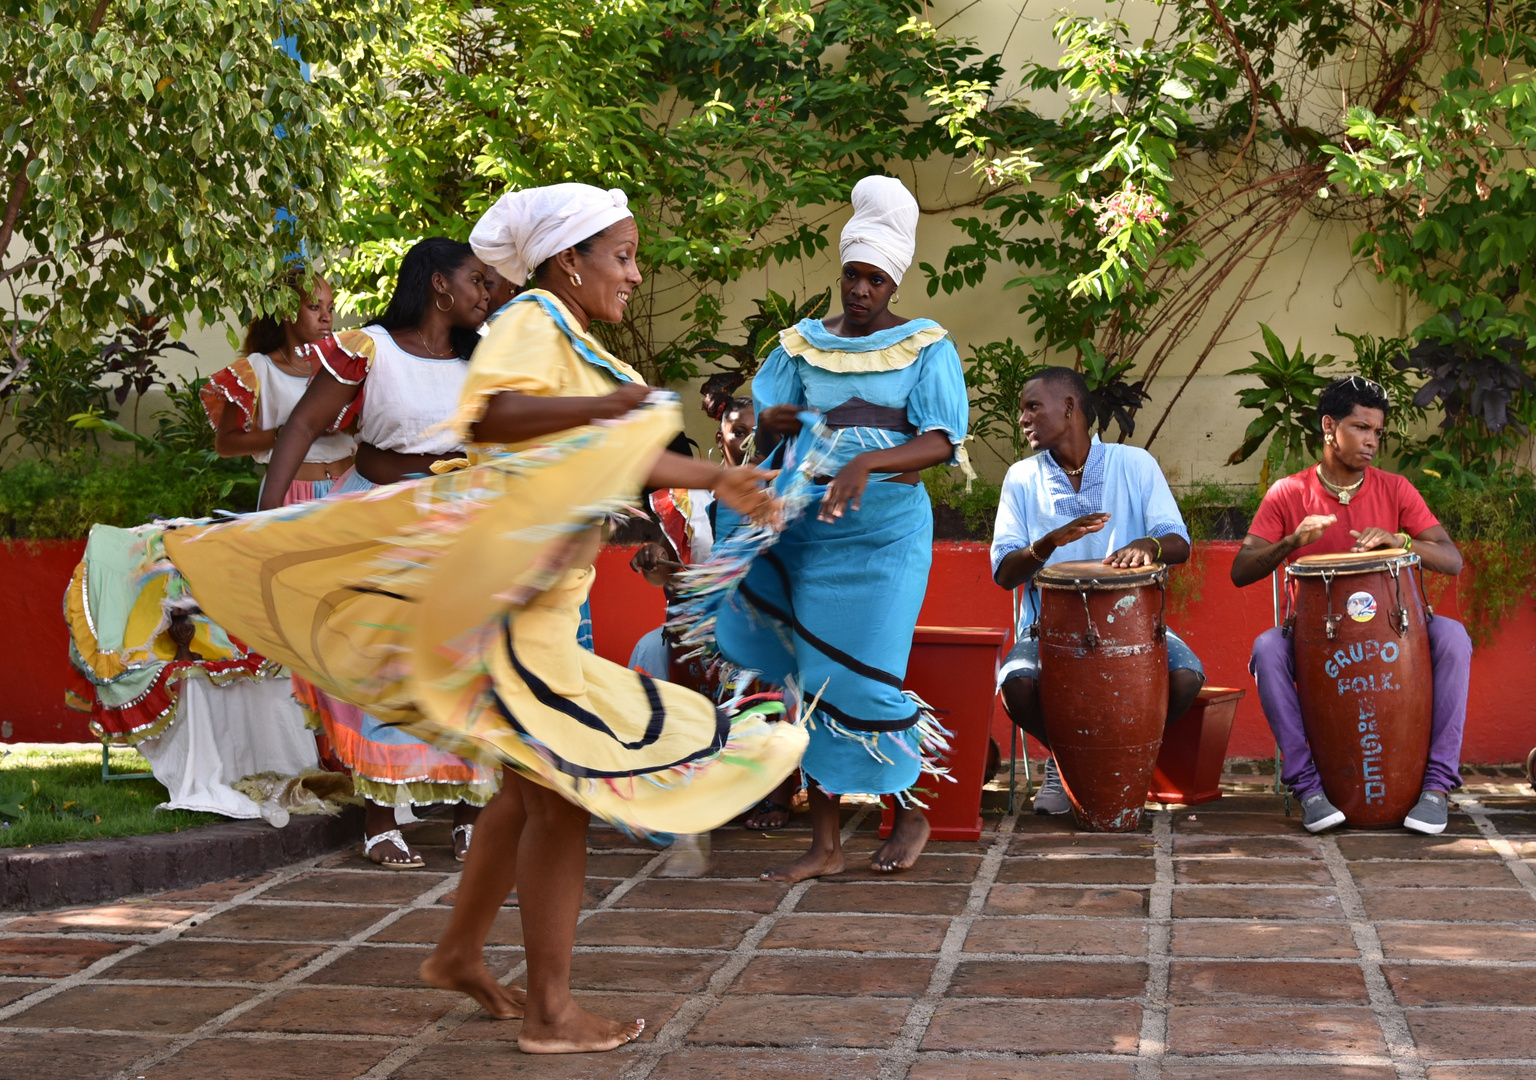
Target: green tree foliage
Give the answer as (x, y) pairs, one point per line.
(1286, 401)
(995, 377)
(733, 126)
(774, 314)
(141, 154)
(1179, 164)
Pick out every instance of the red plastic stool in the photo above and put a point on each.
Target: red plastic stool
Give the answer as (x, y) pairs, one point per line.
(1194, 749)
(954, 669)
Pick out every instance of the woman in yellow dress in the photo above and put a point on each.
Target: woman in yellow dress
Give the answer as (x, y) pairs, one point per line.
(450, 607)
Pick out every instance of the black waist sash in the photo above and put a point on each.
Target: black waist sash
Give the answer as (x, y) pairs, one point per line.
(856, 412)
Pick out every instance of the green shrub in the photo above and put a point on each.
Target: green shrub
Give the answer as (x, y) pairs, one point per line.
(977, 507)
(1215, 511)
(1492, 518)
(59, 499)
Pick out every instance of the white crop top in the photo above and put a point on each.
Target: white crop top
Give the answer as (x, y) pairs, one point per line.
(280, 392)
(405, 396)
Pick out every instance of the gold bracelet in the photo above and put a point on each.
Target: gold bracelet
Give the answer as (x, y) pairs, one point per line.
(1159, 556)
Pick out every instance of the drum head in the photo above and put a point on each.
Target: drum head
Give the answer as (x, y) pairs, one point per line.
(1352, 562)
(1092, 574)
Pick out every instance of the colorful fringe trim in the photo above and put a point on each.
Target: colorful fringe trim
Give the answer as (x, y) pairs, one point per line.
(703, 589)
(152, 712)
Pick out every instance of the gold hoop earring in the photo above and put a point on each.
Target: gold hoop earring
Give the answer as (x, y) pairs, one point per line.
(895, 298)
(439, 306)
(576, 280)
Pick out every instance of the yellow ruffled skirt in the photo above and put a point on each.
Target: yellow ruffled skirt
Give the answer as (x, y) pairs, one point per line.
(450, 606)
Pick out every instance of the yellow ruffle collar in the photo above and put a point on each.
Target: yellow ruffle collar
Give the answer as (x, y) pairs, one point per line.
(894, 357)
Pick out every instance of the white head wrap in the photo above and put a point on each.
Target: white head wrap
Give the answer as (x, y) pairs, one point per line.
(526, 227)
(883, 229)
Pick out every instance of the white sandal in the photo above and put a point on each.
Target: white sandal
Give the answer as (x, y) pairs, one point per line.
(392, 836)
(469, 838)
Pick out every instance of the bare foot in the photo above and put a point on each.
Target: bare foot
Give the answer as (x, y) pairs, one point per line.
(767, 816)
(689, 857)
(909, 835)
(817, 862)
(577, 1032)
(475, 979)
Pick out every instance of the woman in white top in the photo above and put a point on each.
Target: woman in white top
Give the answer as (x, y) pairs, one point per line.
(249, 401)
(395, 382)
(397, 378)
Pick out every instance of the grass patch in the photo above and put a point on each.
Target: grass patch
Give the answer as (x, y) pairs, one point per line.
(56, 795)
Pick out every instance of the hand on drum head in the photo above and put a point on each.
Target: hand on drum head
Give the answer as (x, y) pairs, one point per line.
(1073, 531)
(1312, 526)
(1372, 538)
(1136, 553)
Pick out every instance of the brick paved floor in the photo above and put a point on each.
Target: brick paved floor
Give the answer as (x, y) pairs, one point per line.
(1218, 943)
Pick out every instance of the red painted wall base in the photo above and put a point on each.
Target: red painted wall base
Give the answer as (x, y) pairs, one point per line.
(34, 642)
(1217, 620)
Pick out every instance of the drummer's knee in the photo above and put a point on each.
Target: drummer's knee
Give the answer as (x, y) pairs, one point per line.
(1021, 699)
(1270, 647)
(1449, 639)
(1183, 688)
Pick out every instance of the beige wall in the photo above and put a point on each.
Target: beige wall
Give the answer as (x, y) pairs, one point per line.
(1308, 288)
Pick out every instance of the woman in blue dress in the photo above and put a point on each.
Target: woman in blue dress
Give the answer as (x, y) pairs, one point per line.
(830, 608)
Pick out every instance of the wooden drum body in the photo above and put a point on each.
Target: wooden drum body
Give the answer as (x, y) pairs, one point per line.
(1103, 685)
(1360, 643)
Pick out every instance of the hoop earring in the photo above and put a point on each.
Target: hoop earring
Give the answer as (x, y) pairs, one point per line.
(439, 306)
(896, 298)
(576, 280)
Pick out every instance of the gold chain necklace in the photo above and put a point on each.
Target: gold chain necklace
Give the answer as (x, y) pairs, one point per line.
(289, 363)
(429, 348)
(1342, 493)
(1070, 472)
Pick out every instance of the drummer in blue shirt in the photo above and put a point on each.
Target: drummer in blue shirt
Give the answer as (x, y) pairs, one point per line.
(1078, 498)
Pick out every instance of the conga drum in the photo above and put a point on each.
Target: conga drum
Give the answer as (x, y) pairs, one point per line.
(1360, 643)
(1103, 684)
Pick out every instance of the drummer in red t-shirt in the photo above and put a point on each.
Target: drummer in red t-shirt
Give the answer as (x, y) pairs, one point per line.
(1343, 504)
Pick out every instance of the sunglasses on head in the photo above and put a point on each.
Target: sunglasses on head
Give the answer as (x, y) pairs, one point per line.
(1360, 382)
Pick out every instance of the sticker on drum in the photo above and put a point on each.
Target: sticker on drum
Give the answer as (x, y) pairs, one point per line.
(1361, 607)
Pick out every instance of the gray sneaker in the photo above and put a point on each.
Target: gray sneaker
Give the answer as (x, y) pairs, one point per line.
(1317, 813)
(1052, 796)
(1429, 816)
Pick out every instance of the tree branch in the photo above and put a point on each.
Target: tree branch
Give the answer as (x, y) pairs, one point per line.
(13, 204)
(97, 16)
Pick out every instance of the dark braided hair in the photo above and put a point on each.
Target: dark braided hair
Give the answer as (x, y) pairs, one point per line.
(717, 391)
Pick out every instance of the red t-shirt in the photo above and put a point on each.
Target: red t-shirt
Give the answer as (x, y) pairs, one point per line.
(1386, 500)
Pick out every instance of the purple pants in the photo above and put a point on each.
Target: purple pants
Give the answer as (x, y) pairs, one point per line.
(1450, 653)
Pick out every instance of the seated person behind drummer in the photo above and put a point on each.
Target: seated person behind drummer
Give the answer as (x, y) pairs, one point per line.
(1343, 504)
(1079, 499)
